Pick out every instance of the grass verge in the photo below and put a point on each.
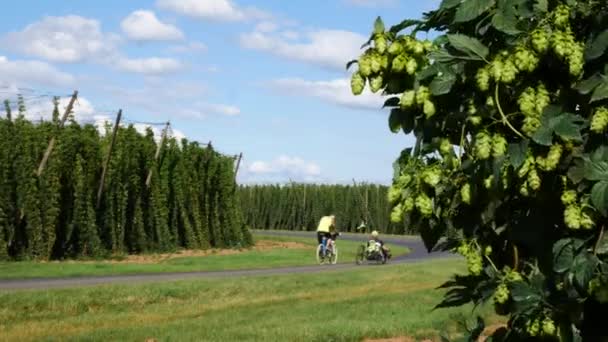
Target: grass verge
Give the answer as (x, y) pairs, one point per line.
(294, 251)
(371, 302)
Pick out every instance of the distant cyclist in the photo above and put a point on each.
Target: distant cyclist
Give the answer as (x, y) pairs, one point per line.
(383, 249)
(327, 229)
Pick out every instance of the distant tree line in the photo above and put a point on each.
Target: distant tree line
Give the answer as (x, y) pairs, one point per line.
(190, 201)
(300, 206)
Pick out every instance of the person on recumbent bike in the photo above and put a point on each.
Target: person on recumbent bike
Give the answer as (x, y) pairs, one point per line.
(383, 249)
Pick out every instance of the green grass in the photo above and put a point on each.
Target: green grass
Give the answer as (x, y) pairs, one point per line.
(279, 257)
(392, 300)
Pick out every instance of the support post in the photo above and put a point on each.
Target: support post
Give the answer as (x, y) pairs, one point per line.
(107, 161)
(238, 163)
(51, 145)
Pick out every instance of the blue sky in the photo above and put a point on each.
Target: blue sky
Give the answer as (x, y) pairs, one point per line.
(265, 78)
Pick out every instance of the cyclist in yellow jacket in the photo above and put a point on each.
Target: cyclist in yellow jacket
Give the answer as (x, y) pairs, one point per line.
(327, 229)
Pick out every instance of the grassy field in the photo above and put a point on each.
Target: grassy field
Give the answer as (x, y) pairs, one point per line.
(294, 252)
(373, 302)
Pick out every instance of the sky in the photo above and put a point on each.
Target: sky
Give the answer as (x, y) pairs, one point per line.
(265, 78)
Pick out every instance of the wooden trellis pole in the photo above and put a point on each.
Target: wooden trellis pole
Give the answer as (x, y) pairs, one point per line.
(107, 161)
(51, 145)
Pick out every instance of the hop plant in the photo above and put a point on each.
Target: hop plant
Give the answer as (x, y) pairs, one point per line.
(408, 99)
(399, 63)
(540, 40)
(432, 176)
(376, 83)
(393, 194)
(422, 94)
(586, 221)
(499, 145)
(533, 179)
(428, 108)
(465, 193)
(445, 147)
(572, 216)
(548, 326)
(568, 197)
(396, 48)
(376, 62)
(561, 16)
(552, 160)
(357, 83)
(408, 204)
(533, 327)
(501, 295)
(365, 65)
(397, 213)
(487, 183)
(380, 43)
(411, 66)
(599, 121)
(483, 145)
(424, 204)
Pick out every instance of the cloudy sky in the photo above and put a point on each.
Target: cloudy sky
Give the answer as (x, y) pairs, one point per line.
(266, 78)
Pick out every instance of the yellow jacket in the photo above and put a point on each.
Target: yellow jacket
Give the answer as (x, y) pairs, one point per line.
(325, 224)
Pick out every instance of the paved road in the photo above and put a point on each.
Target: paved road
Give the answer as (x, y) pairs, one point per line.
(418, 253)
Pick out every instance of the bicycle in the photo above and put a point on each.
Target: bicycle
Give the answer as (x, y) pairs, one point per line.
(370, 252)
(331, 251)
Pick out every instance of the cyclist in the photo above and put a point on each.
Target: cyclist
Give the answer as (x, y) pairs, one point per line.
(383, 249)
(326, 229)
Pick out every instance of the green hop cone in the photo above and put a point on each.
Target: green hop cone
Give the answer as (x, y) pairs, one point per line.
(422, 94)
(568, 197)
(501, 295)
(533, 327)
(509, 72)
(540, 40)
(397, 213)
(380, 43)
(427, 45)
(475, 120)
(490, 101)
(357, 83)
(396, 48)
(384, 62)
(483, 79)
(411, 66)
(514, 276)
(487, 183)
(561, 16)
(533, 179)
(424, 204)
(408, 99)
(572, 216)
(531, 125)
(471, 109)
(432, 177)
(399, 63)
(523, 189)
(554, 156)
(408, 204)
(376, 62)
(428, 108)
(474, 263)
(548, 326)
(499, 145)
(445, 147)
(576, 60)
(483, 145)
(599, 121)
(403, 180)
(418, 48)
(488, 250)
(393, 194)
(376, 83)
(525, 167)
(465, 193)
(365, 65)
(496, 69)
(586, 221)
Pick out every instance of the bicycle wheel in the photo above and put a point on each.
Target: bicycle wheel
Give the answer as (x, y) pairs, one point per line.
(320, 258)
(333, 259)
(360, 257)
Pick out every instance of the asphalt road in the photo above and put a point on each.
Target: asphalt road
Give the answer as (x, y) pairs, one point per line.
(418, 253)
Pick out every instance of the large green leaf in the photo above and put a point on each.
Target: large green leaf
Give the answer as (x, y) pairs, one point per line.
(505, 22)
(597, 47)
(583, 268)
(517, 153)
(391, 102)
(600, 154)
(442, 56)
(596, 171)
(565, 125)
(541, 6)
(471, 9)
(586, 86)
(600, 92)
(568, 126)
(599, 197)
(469, 45)
(403, 25)
(602, 245)
(394, 120)
(447, 4)
(442, 84)
(576, 172)
(563, 255)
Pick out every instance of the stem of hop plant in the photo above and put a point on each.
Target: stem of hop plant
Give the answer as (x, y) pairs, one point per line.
(515, 258)
(502, 114)
(461, 143)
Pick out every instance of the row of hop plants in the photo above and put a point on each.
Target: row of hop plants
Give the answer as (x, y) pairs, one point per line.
(300, 206)
(190, 202)
(509, 107)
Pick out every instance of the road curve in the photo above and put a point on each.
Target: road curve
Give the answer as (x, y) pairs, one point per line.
(417, 253)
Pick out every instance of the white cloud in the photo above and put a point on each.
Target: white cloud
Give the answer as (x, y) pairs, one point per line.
(24, 72)
(151, 65)
(335, 91)
(266, 26)
(328, 48)
(215, 10)
(283, 167)
(83, 109)
(372, 3)
(144, 25)
(189, 47)
(65, 39)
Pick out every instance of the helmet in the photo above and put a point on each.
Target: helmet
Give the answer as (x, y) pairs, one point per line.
(375, 233)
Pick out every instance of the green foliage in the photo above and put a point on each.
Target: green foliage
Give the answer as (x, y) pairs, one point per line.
(519, 87)
(54, 216)
(300, 206)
